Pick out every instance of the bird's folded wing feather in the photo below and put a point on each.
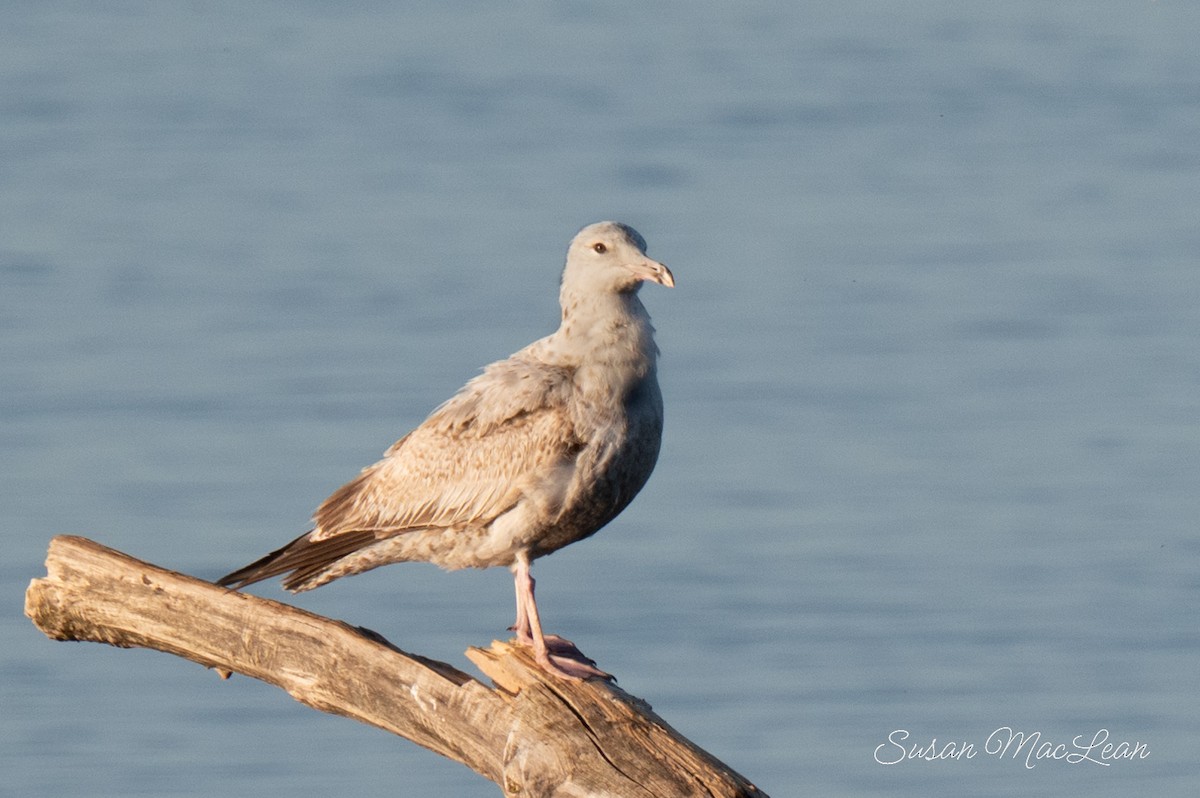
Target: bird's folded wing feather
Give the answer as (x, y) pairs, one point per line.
(506, 433)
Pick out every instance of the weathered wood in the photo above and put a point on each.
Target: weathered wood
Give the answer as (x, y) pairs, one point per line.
(532, 734)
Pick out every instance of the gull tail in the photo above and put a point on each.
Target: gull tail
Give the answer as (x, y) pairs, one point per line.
(301, 559)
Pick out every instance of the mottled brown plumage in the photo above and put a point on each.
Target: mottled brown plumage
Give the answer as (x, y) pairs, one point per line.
(537, 452)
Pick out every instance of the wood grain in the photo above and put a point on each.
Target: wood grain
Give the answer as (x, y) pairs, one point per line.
(531, 734)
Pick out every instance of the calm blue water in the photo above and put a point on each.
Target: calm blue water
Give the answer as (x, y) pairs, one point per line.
(931, 370)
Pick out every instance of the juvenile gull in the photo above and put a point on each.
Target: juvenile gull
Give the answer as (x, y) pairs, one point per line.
(537, 452)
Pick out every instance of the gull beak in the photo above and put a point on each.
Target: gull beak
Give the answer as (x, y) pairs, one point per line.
(654, 272)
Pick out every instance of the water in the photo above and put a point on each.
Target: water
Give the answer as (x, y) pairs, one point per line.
(931, 369)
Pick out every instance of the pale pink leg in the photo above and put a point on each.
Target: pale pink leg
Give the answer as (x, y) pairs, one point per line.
(556, 656)
(521, 625)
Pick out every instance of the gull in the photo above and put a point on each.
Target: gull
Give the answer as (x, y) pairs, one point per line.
(537, 452)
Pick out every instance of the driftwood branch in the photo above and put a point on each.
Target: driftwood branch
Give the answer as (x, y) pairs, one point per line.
(531, 734)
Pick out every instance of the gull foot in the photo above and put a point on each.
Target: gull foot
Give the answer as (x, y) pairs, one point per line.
(562, 658)
(571, 669)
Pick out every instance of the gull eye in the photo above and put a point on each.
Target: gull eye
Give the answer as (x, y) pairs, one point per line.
(599, 248)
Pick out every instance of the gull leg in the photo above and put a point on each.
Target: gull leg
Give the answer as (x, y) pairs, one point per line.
(556, 655)
(521, 624)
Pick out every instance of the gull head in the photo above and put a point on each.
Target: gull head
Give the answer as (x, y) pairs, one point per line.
(611, 257)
